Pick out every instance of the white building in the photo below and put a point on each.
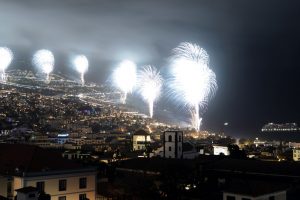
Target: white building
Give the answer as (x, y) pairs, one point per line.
(175, 147)
(27, 193)
(140, 139)
(281, 195)
(219, 150)
(25, 166)
(296, 154)
(254, 190)
(172, 144)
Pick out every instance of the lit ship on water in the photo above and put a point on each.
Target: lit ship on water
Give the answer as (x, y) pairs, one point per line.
(283, 132)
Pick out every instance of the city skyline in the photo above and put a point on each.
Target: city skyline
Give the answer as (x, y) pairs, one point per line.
(253, 47)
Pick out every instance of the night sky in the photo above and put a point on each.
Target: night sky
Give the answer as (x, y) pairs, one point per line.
(254, 47)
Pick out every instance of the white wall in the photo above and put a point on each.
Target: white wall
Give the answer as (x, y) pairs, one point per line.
(3, 186)
(140, 138)
(278, 196)
(169, 146)
(52, 185)
(221, 150)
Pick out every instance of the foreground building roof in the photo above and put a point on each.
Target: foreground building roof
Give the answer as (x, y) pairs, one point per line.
(23, 160)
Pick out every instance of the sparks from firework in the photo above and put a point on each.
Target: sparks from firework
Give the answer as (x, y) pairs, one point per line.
(6, 57)
(192, 82)
(149, 85)
(124, 78)
(44, 60)
(81, 64)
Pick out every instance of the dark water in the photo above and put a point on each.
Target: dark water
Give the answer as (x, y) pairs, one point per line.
(281, 136)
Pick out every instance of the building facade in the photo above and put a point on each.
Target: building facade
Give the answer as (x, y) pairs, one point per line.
(47, 171)
(296, 154)
(140, 139)
(172, 144)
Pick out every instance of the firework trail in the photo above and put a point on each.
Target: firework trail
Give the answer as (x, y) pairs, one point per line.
(81, 64)
(149, 85)
(192, 82)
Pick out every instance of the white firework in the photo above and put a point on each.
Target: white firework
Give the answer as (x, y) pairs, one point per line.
(149, 82)
(6, 56)
(81, 64)
(44, 60)
(192, 82)
(124, 78)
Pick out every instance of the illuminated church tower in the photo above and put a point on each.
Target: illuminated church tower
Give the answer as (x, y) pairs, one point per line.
(172, 144)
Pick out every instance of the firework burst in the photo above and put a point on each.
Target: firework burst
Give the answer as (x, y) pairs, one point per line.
(149, 83)
(192, 82)
(81, 64)
(44, 60)
(6, 56)
(124, 78)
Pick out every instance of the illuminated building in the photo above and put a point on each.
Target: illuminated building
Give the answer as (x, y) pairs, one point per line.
(26, 165)
(172, 144)
(218, 150)
(296, 154)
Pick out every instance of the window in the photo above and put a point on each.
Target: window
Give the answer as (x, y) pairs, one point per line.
(246, 199)
(170, 148)
(62, 186)
(62, 198)
(82, 197)
(40, 186)
(170, 138)
(82, 183)
(230, 198)
(179, 138)
(272, 198)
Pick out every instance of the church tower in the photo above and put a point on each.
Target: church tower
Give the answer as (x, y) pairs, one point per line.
(172, 144)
